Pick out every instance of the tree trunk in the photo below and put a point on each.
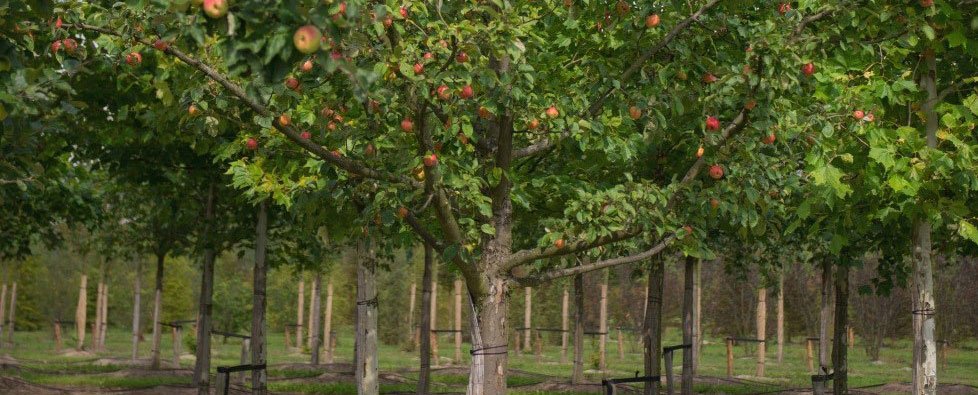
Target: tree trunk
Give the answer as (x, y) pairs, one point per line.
(300, 313)
(12, 318)
(105, 316)
(697, 308)
(3, 303)
(824, 316)
(328, 340)
(489, 344)
(761, 329)
(563, 326)
(839, 345)
(925, 347)
(780, 315)
(433, 321)
(136, 304)
(652, 336)
(81, 311)
(578, 375)
(205, 314)
(527, 314)
(425, 372)
(309, 317)
(317, 287)
(458, 321)
(97, 325)
(411, 338)
(689, 334)
(157, 310)
(366, 337)
(259, 349)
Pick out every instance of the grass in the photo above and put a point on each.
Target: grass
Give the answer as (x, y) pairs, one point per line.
(41, 365)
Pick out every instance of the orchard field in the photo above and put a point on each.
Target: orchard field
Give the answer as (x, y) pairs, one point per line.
(489, 196)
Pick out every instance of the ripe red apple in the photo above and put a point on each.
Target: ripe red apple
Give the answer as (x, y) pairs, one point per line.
(808, 68)
(305, 134)
(342, 9)
(769, 139)
(750, 105)
(70, 45)
(462, 57)
(306, 39)
(370, 151)
(463, 138)
(429, 56)
(388, 22)
(407, 125)
(402, 212)
(335, 55)
(858, 114)
(292, 83)
(484, 113)
(688, 229)
(284, 120)
(161, 45)
(404, 12)
(700, 151)
(134, 59)
(418, 68)
(336, 153)
(746, 70)
(870, 117)
(252, 144)
(58, 23)
(466, 92)
(331, 126)
(306, 66)
(716, 171)
(443, 92)
(783, 8)
(559, 243)
(192, 110)
(430, 160)
(532, 125)
(652, 21)
(215, 8)
(552, 112)
(622, 7)
(634, 112)
(709, 77)
(56, 46)
(712, 123)
(923, 3)
(714, 203)
(326, 112)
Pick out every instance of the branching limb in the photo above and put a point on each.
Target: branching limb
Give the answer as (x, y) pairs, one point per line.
(555, 274)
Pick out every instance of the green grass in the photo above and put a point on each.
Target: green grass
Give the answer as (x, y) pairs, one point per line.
(42, 365)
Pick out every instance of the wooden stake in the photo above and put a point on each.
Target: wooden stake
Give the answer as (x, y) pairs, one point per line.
(434, 315)
(3, 303)
(81, 311)
(780, 316)
(761, 328)
(97, 324)
(105, 316)
(245, 354)
(527, 312)
(811, 359)
(563, 326)
(300, 313)
(328, 323)
(697, 304)
(412, 332)
(176, 346)
(57, 337)
(621, 347)
(458, 321)
(603, 326)
(729, 358)
(312, 295)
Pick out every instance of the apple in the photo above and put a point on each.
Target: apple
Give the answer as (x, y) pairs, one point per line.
(712, 123)
(252, 144)
(688, 229)
(682, 75)
(402, 212)
(808, 68)
(462, 57)
(307, 38)
(443, 92)
(342, 9)
(700, 151)
(552, 112)
(370, 151)
(306, 66)
(769, 139)
(331, 126)
(58, 23)
(858, 114)
(709, 77)
(335, 55)
(716, 171)
(430, 160)
(466, 92)
(134, 59)
(783, 8)
(216, 8)
(404, 12)
(284, 120)
(428, 56)
(56, 46)
(634, 112)
(622, 7)
(923, 3)
(407, 125)
(70, 45)
(192, 110)
(438, 146)
(418, 174)
(326, 112)
(532, 125)
(161, 45)
(388, 22)
(559, 243)
(463, 138)
(870, 117)
(652, 21)
(746, 70)
(750, 105)
(484, 113)
(305, 134)
(336, 153)
(714, 203)
(418, 68)
(292, 83)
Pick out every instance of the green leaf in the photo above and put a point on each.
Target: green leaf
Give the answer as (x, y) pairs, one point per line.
(488, 229)
(929, 32)
(968, 231)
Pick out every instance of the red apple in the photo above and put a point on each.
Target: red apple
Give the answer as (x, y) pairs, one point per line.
(134, 59)
(331, 126)
(370, 151)
(56, 46)
(215, 8)
(305, 134)
(428, 56)
(418, 68)
(688, 229)
(750, 105)
(532, 125)
(716, 171)
(307, 38)
(783, 8)
(923, 3)
(58, 23)
(484, 113)
(407, 125)
(306, 66)
(634, 112)
(161, 45)
(714, 203)
(870, 117)
(443, 92)
(769, 139)
(466, 92)
(292, 83)
(559, 243)
(858, 114)
(342, 9)
(808, 68)
(402, 212)
(70, 45)
(552, 112)
(430, 160)
(388, 22)
(192, 110)
(462, 57)
(709, 77)
(335, 55)
(712, 123)
(326, 112)
(284, 120)
(336, 153)
(404, 12)
(252, 144)
(463, 138)
(652, 21)
(700, 151)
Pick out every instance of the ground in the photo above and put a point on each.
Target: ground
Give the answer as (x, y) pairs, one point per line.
(32, 366)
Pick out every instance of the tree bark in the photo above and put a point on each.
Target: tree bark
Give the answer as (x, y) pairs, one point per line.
(328, 340)
(300, 313)
(780, 315)
(697, 304)
(563, 326)
(97, 325)
(136, 305)
(825, 316)
(761, 329)
(81, 311)
(105, 316)
(603, 324)
(12, 318)
(458, 321)
(433, 319)
(317, 286)
(924, 306)
(157, 310)
(309, 317)
(425, 346)
(259, 349)
(411, 338)
(578, 375)
(489, 344)
(205, 313)
(652, 336)
(840, 342)
(689, 329)
(366, 337)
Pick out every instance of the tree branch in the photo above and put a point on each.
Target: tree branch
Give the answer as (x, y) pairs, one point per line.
(347, 164)
(552, 275)
(636, 65)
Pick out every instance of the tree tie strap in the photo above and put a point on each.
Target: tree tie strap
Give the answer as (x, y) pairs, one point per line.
(369, 302)
(925, 312)
(479, 351)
